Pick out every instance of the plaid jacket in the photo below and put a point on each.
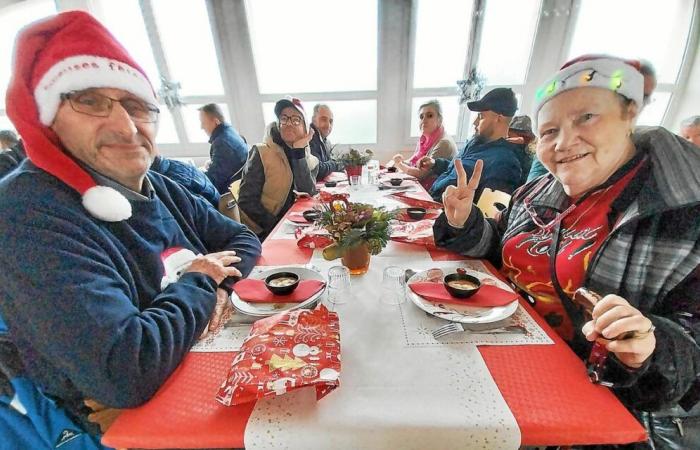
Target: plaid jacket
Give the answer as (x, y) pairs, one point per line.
(651, 258)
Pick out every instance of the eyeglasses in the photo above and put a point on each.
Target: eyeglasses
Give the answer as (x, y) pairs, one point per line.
(294, 120)
(93, 104)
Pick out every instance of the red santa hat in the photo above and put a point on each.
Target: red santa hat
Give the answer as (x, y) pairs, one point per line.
(67, 52)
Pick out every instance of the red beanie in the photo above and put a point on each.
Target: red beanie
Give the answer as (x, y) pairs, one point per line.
(67, 52)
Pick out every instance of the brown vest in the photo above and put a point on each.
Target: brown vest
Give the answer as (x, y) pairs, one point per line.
(278, 182)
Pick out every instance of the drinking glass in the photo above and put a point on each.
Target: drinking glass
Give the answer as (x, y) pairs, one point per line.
(338, 284)
(393, 286)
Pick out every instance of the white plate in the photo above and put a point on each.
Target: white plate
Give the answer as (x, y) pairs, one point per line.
(462, 313)
(268, 309)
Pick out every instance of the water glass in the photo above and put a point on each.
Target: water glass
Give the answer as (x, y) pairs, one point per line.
(338, 284)
(393, 286)
(355, 181)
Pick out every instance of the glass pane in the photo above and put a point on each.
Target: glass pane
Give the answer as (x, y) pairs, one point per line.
(125, 21)
(317, 46)
(506, 40)
(354, 121)
(653, 113)
(635, 29)
(441, 42)
(450, 113)
(12, 18)
(166, 128)
(189, 47)
(6, 124)
(190, 114)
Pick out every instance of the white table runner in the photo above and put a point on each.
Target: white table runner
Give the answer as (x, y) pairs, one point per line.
(390, 396)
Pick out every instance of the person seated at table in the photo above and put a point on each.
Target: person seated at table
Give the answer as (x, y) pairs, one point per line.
(11, 152)
(502, 169)
(110, 272)
(690, 130)
(276, 168)
(228, 151)
(187, 176)
(433, 142)
(616, 214)
(322, 124)
(520, 133)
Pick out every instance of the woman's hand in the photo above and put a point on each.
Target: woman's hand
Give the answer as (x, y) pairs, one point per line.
(614, 316)
(458, 200)
(397, 158)
(303, 142)
(216, 265)
(426, 163)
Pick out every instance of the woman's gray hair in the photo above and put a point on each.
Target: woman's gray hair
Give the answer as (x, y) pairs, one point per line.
(692, 121)
(435, 104)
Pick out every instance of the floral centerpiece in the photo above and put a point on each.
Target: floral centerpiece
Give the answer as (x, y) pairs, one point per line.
(358, 231)
(353, 160)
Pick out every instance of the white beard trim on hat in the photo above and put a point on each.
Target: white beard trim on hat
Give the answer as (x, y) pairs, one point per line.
(106, 203)
(83, 72)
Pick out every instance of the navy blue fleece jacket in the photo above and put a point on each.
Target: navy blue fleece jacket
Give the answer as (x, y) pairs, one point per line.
(83, 298)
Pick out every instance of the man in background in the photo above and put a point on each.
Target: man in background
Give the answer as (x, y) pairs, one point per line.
(322, 124)
(690, 129)
(228, 152)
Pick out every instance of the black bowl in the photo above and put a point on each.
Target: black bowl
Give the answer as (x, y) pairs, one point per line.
(416, 213)
(458, 291)
(330, 183)
(311, 215)
(282, 290)
(396, 181)
(392, 169)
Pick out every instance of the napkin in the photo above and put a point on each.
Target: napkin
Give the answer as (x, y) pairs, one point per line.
(255, 291)
(486, 296)
(297, 217)
(414, 200)
(284, 352)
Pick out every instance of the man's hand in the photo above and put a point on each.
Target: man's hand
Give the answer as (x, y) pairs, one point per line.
(303, 142)
(458, 200)
(613, 316)
(216, 265)
(222, 313)
(426, 163)
(102, 415)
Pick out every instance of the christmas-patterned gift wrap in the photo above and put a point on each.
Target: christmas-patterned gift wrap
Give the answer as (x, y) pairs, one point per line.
(285, 352)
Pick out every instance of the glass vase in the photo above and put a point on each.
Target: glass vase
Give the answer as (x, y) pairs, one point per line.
(356, 259)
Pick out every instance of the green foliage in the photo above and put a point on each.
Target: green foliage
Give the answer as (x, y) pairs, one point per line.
(357, 223)
(355, 158)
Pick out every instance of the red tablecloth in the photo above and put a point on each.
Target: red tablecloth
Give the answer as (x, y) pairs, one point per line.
(545, 386)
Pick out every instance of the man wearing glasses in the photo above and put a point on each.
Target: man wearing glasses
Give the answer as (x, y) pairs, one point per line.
(278, 169)
(110, 272)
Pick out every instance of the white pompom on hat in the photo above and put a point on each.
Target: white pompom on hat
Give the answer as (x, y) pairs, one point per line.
(68, 52)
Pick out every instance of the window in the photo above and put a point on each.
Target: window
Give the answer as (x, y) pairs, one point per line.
(167, 134)
(654, 112)
(442, 39)
(354, 121)
(450, 113)
(125, 21)
(635, 29)
(12, 18)
(506, 40)
(317, 46)
(187, 41)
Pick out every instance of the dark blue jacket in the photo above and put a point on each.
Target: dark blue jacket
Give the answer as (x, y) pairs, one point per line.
(187, 176)
(502, 170)
(319, 148)
(228, 155)
(84, 299)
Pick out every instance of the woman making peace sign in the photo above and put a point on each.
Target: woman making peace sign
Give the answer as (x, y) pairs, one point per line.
(618, 214)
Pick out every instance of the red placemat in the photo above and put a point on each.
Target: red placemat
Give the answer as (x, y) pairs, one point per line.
(184, 413)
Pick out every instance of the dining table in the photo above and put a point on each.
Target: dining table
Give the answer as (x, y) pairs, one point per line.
(399, 386)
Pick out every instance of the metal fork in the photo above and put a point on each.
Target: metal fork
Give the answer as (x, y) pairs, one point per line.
(456, 327)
